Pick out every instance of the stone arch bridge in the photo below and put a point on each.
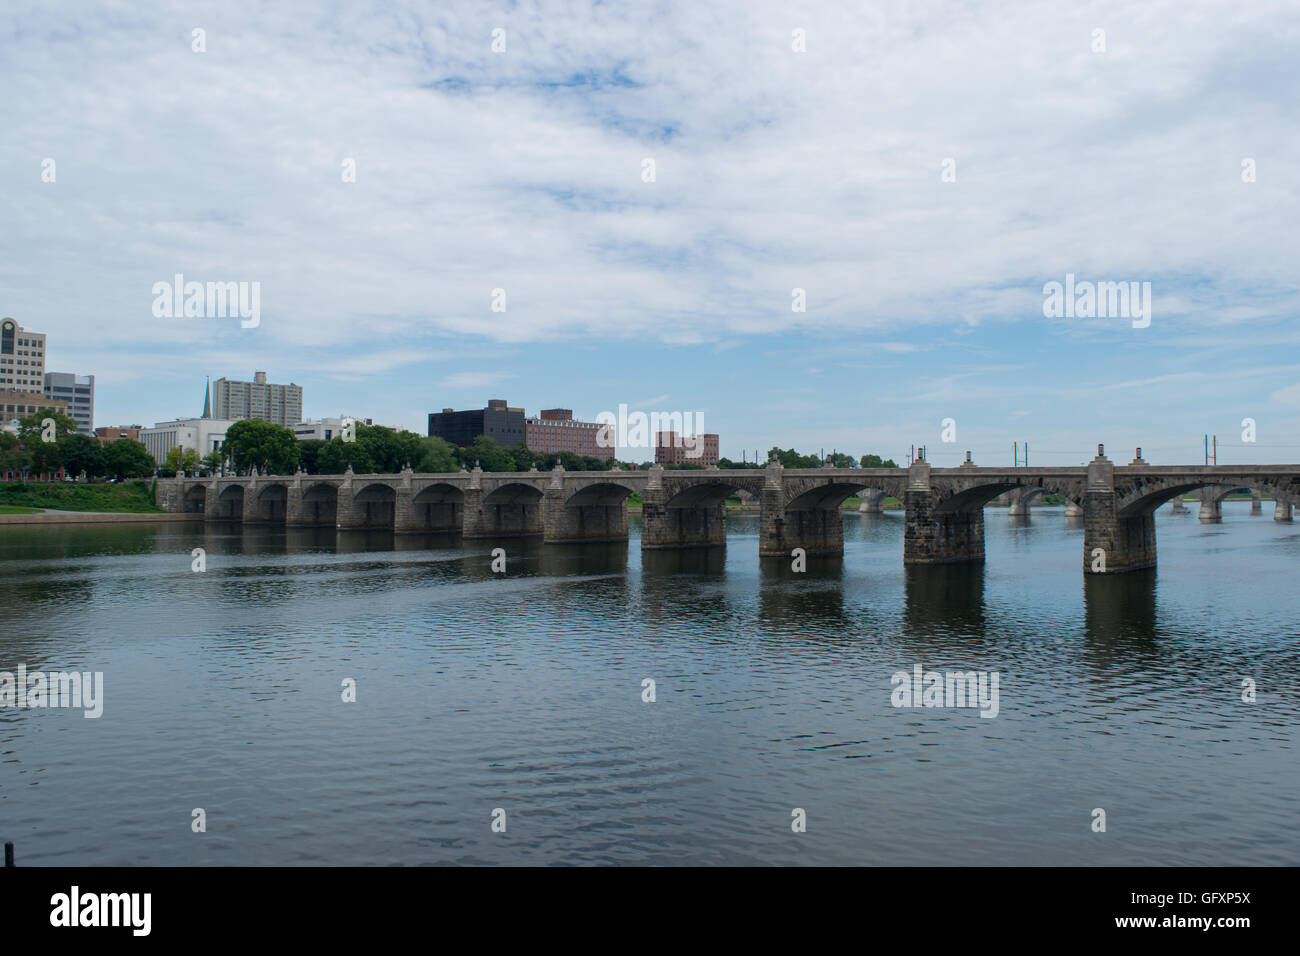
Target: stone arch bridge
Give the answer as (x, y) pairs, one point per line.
(799, 508)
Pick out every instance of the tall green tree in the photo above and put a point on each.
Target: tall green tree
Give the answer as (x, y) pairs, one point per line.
(127, 458)
(436, 455)
(42, 434)
(82, 453)
(253, 443)
(336, 455)
(178, 459)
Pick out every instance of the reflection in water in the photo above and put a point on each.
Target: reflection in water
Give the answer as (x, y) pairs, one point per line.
(944, 599)
(523, 689)
(1120, 613)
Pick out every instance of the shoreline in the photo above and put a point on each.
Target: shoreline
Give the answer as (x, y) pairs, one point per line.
(96, 517)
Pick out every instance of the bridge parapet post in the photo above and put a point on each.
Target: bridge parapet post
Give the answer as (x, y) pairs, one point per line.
(1113, 543)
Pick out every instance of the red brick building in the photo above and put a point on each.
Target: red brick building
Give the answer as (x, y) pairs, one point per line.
(674, 449)
(111, 433)
(556, 430)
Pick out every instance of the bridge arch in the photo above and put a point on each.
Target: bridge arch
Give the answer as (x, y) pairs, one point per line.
(374, 505)
(195, 500)
(230, 503)
(1146, 495)
(272, 503)
(438, 507)
(512, 509)
(974, 497)
(320, 504)
(594, 512)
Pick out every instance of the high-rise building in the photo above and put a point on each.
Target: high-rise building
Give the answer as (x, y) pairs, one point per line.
(22, 373)
(498, 421)
(22, 358)
(79, 392)
(672, 448)
(556, 430)
(281, 404)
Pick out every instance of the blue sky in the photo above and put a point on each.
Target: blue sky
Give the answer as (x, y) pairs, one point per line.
(774, 170)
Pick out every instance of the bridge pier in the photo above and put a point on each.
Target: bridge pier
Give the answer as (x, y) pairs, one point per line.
(1019, 501)
(1178, 507)
(1281, 509)
(1113, 543)
(1073, 510)
(818, 530)
(701, 524)
(1256, 503)
(492, 514)
(872, 501)
(1211, 508)
(934, 536)
(594, 514)
(293, 505)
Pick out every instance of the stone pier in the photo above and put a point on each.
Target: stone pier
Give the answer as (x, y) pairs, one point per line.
(1211, 509)
(1178, 507)
(872, 501)
(1018, 502)
(933, 534)
(1113, 542)
(812, 521)
(1256, 503)
(1281, 509)
(691, 522)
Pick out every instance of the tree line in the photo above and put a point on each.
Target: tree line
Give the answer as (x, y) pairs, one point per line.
(275, 450)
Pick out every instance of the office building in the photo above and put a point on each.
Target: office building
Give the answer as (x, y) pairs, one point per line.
(78, 391)
(22, 373)
(203, 435)
(324, 429)
(673, 448)
(556, 430)
(108, 434)
(498, 421)
(281, 404)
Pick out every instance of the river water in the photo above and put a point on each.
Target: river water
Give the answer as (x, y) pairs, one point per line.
(522, 691)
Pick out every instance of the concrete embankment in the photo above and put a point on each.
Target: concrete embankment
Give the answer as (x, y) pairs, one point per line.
(94, 517)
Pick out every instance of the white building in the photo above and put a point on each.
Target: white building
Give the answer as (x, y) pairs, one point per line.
(203, 435)
(79, 392)
(323, 429)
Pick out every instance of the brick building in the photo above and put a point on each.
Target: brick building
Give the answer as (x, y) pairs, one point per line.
(673, 449)
(556, 430)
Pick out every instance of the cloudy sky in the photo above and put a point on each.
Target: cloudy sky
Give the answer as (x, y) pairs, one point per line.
(919, 169)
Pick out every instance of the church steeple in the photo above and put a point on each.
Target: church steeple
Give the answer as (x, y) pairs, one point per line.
(207, 398)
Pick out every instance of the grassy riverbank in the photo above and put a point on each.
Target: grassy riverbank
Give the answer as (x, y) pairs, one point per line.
(127, 498)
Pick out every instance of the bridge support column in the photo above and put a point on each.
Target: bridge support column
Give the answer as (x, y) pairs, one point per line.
(597, 521)
(938, 537)
(1178, 507)
(1019, 502)
(872, 502)
(293, 509)
(1211, 511)
(251, 515)
(1256, 503)
(404, 517)
(1113, 543)
(210, 498)
(782, 529)
(696, 526)
(1073, 510)
(1281, 509)
(348, 515)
